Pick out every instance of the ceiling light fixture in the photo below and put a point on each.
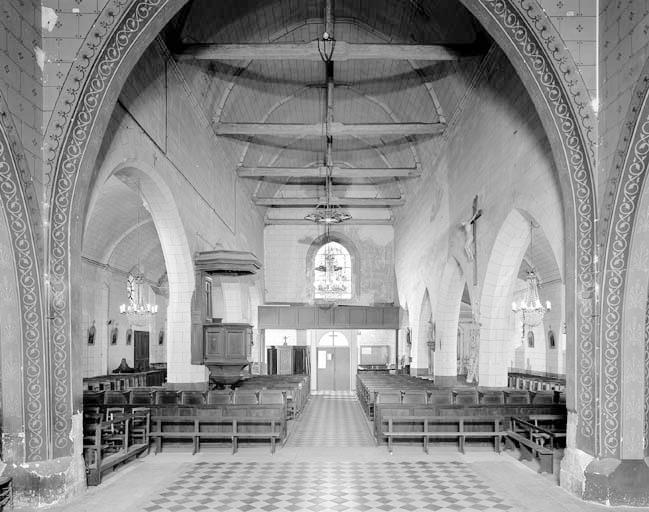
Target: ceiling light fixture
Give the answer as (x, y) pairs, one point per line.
(328, 212)
(530, 308)
(137, 310)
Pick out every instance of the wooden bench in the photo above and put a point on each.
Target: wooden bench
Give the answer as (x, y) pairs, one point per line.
(271, 428)
(115, 441)
(485, 410)
(451, 427)
(548, 428)
(541, 428)
(530, 439)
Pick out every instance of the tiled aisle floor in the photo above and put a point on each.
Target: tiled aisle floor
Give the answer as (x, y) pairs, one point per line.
(334, 420)
(328, 486)
(312, 474)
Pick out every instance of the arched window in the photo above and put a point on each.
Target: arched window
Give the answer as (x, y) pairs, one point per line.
(333, 272)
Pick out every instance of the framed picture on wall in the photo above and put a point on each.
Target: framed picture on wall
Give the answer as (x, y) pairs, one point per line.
(113, 336)
(91, 333)
(530, 339)
(129, 336)
(161, 337)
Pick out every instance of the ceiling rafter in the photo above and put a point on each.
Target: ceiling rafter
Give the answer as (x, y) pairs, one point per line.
(309, 51)
(370, 98)
(261, 172)
(337, 129)
(350, 222)
(350, 202)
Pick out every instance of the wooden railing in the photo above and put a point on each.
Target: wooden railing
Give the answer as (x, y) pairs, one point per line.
(114, 441)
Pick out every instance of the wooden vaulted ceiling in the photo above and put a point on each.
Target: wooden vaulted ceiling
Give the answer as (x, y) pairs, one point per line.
(257, 72)
(407, 102)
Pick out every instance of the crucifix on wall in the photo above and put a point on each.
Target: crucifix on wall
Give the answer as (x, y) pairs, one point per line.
(470, 234)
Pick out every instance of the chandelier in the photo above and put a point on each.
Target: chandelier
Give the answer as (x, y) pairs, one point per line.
(530, 308)
(136, 309)
(329, 211)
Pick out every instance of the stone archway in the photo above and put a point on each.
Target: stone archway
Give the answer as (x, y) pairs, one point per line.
(624, 264)
(424, 331)
(624, 330)
(179, 266)
(106, 57)
(495, 311)
(26, 439)
(448, 314)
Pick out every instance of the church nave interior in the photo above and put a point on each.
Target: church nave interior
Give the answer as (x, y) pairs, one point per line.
(324, 255)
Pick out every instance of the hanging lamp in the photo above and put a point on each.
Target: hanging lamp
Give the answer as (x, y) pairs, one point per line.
(137, 310)
(530, 308)
(328, 211)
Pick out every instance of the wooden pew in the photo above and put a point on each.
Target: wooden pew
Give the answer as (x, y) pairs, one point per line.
(269, 426)
(113, 443)
(542, 428)
(383, 412)
(528, 446)
(447, 427)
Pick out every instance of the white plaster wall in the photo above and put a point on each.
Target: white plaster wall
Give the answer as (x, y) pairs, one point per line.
(495, 149)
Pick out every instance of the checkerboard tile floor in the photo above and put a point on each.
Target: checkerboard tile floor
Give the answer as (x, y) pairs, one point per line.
(327, 486)
(332, 419)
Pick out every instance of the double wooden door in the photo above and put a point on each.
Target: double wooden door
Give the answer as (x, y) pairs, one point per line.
(333, 369)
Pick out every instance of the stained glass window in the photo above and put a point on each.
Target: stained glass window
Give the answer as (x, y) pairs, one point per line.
(333, 279)
(131, 289)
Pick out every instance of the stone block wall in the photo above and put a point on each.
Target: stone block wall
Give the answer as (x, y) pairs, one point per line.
(576, 22)
(21, 77)
(623, 51)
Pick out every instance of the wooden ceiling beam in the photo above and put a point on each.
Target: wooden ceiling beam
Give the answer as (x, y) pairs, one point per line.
(347, 202)
(309, 51)
(351, 222)
(337, 129)
(319, 172)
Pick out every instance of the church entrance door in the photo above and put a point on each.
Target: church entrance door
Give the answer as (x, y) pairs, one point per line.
(333, 363)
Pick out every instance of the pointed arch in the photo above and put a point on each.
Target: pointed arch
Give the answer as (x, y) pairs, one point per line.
(495, 303)
(106, 57)
(178, 262)
(22, 221)
(423, 331)
(625, 286)
(447, 318)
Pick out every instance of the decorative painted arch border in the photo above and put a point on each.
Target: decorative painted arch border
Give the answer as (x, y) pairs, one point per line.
(126, 27)
(631, 172)
(23, 221)
(526, 35)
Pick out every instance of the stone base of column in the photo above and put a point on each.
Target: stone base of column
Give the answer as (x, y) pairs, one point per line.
(617, 482)
(572, 473)
(44, 483)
